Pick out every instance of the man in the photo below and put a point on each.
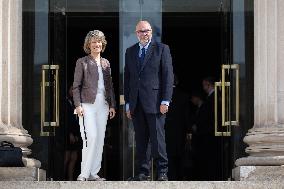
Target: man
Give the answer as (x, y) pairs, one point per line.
(207, 145)
(208, 87)
(177, 123)
(207, 127)
(197, 100)
(148, 86)
(201, 138)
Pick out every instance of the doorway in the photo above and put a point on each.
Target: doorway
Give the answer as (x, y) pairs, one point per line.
(197, 42)
(201, 42)
(78, 24)
(53, 34)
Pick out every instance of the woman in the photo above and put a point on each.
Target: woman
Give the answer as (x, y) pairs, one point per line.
(93, 97)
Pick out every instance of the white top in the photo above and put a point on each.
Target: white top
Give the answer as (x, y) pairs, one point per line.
(101, 86)
(210, 92)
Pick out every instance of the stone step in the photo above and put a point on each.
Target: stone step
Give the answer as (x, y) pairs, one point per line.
(22, 174)
(140, 185)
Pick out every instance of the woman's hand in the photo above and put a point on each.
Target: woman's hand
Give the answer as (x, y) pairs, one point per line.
(72, 138)
(79, 111)
(111, 113)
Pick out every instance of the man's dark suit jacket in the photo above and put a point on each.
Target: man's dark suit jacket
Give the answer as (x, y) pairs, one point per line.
(153, 82)
(205, 117)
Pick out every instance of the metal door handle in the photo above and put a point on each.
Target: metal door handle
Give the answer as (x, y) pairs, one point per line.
(236, 122)
(226, 120)
(55, 84)
(216, 120)
(121, 100)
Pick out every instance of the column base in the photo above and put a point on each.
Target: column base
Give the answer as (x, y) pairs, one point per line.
(259, 173)
(19, 137)
(30, 162)
(261, 161)
(266, 155)
(266, 142)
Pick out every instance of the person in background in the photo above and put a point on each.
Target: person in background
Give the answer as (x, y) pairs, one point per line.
(177, 122)
(198, 122)
(73, 139)
(207, 147)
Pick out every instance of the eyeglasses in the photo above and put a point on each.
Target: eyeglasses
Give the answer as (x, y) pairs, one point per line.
(143, 31)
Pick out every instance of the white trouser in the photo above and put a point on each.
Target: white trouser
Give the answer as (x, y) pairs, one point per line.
(95, 120)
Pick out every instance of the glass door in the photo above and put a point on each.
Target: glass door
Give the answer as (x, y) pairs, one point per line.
(57, 59)
(222, 96)
(217, 39)
(72, 20)
(43, 89)
(233, 96)
(53, 92)
(130, 13)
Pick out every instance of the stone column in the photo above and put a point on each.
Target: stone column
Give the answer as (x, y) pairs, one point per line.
(266, 138)
(11, 128)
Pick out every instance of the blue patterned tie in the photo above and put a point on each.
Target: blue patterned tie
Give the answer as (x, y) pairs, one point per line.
(142, 56)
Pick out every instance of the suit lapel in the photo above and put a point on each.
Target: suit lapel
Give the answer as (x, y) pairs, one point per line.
(92, 67)
(135, 54)
(148, 54)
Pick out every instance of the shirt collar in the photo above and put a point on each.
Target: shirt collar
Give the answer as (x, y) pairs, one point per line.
(210, 92)
(146, 46)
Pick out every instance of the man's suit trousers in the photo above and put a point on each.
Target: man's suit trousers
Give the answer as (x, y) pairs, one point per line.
(150, 126)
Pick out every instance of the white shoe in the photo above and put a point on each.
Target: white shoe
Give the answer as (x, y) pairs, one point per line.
(96, 178)
(80, 178)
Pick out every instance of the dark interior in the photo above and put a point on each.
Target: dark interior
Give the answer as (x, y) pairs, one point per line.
(195, 43)
(189, 35)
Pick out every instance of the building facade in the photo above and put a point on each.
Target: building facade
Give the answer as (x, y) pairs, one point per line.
(238, 42)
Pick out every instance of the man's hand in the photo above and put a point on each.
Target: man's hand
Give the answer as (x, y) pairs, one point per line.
(164, 108)
(111, 113)
(128, 114)
(79, 111)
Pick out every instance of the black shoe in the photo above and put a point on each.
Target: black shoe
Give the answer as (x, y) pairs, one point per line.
(140, 177)
(163, 177)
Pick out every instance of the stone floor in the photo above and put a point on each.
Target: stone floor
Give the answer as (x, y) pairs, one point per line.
(142, 185)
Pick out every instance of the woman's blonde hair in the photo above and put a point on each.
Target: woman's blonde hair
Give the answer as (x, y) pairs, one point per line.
(98, 35)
